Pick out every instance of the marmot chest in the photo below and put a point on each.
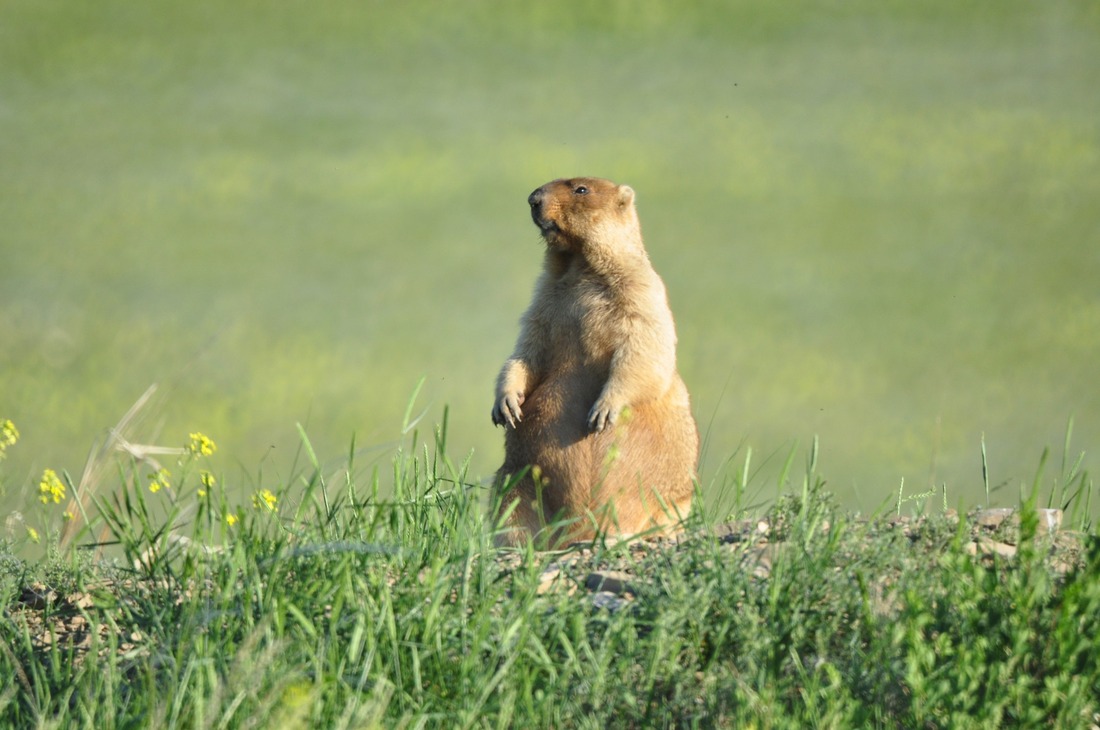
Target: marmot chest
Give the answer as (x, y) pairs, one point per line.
(585, 323)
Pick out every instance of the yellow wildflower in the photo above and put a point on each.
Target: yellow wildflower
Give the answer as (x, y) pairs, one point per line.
(231, 519)
(9, 434)
(33, 535)
(201, 444)
(208, 482)
(160, 479)
(51, 487)
(265, 498)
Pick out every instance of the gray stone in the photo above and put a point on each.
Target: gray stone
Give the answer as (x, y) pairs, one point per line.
(611, 581)
(607, 600)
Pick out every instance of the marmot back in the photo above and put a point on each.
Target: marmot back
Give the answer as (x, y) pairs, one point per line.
(598, 427)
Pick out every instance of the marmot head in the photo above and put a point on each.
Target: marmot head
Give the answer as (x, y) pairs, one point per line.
(570, 212)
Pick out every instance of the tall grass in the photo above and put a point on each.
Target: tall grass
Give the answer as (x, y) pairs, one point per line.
(351, 599)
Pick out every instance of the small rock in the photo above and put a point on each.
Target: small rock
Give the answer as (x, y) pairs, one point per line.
(607, 600)
(761, 558)
(611, 581)
(732, 531)
(993, 517)
(550, 579)
(37, 596)
(1050, 520)
(985, 546)
(80, 600)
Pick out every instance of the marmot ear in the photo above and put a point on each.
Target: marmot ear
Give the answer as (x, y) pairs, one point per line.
(626, 195)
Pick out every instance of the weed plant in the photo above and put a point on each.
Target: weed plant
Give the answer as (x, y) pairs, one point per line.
(323, 603)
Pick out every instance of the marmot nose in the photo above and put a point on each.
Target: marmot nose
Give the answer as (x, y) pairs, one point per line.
(535, 198)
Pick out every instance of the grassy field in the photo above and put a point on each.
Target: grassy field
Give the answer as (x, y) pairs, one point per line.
(876, 220)
(336, 602)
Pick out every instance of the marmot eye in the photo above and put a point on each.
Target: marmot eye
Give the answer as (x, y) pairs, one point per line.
(580, 190)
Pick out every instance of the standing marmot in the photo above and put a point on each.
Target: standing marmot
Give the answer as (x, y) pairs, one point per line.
(598, 427)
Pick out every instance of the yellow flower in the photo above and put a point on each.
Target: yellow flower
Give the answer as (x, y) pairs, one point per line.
(51, 487)
(208, 482)
(201, 444)
(33, 535)
(9, 434)
(160, 479)
(231, 519)
(264, 498)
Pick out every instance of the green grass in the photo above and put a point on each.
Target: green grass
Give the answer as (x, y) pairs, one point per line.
(876, 220)
(374, 598)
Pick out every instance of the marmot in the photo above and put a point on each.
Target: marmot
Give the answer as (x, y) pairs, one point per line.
(598, 427)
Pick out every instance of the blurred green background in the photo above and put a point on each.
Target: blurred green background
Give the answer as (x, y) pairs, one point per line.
(877, 221)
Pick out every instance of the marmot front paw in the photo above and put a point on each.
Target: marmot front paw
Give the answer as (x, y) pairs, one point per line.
(603, 415)
(507, 410)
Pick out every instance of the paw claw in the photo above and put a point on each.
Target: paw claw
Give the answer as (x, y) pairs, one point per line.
(507, 411)
(600, 418)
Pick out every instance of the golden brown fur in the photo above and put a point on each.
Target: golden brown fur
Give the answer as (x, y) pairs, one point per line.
(598, 427)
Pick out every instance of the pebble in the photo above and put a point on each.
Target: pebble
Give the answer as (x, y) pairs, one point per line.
(985, 546)
(608, 601)
(612, 581)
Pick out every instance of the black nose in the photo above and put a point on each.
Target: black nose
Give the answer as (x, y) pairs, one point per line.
(535, 198)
